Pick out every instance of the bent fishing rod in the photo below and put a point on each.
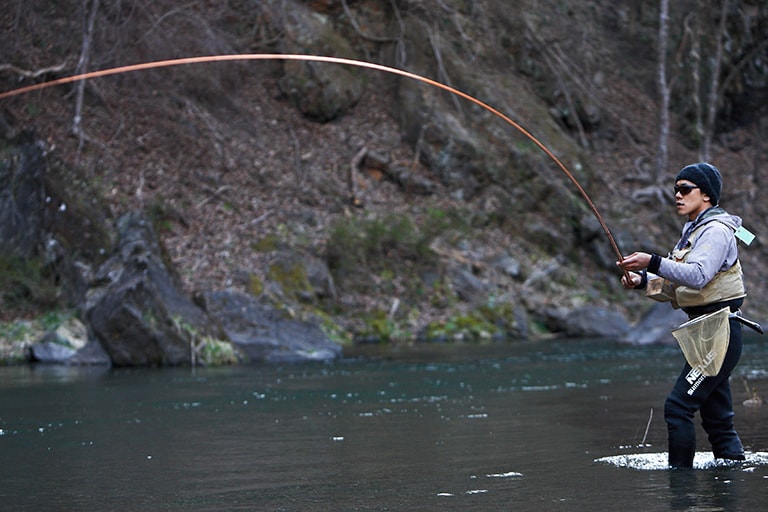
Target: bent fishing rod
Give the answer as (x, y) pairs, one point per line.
(333, 60)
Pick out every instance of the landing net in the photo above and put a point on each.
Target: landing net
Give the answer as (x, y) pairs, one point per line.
(704, 341)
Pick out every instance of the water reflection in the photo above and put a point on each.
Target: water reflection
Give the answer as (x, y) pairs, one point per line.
(21, 376)
(506, 427)
(704, 490)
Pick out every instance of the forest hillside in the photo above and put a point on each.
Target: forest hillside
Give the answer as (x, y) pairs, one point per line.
(383, 204)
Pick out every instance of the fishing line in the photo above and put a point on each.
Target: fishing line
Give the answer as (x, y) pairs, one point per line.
(333, 60)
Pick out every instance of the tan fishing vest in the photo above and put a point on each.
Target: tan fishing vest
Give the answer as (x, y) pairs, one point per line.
(725, 285)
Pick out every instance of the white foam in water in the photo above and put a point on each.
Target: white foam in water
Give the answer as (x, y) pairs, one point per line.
(658, 461)
(508, 474)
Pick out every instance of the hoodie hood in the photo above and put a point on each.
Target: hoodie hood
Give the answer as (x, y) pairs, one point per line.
(720, 215)
(710, 215)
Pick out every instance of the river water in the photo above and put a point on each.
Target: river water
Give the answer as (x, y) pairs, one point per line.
(519, 426)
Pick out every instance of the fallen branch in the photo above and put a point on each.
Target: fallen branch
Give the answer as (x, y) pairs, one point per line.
(215, 195)
(33, 74)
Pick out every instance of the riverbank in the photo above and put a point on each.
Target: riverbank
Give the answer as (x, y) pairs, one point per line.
(16, 339)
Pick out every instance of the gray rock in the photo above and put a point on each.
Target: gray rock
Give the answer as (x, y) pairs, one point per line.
(51, 352)
(320, 277)
(320, 91)
(656, 326)
(92, 354)
(72, 332)
(508, 265)
(468, 286)
(595, 322)
(22, 197)
(137, 310)
(265, 334)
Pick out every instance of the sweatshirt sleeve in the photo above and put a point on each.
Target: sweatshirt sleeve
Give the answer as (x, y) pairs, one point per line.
(715, 249)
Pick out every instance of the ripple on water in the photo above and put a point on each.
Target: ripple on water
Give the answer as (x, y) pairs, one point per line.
(504, 475)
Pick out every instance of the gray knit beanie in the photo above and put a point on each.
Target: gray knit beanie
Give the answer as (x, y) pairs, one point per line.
(706, 176)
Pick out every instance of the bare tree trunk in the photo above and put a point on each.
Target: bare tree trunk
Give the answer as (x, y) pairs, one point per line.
(90, 8)
(695, 35)
(663, 151)
(714, 92)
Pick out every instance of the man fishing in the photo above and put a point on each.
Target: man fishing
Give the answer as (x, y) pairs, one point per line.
(703, 275)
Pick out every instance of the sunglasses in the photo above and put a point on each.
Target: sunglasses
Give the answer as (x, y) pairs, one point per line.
(684, 190)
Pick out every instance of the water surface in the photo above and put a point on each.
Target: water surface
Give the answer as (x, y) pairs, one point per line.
(505, 427)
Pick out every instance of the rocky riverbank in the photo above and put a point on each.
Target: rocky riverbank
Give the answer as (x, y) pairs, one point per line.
(368, 206)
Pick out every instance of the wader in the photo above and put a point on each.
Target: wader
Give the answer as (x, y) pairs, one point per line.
(711, 396)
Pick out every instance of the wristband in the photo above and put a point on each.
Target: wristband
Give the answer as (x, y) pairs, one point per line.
(653, 266)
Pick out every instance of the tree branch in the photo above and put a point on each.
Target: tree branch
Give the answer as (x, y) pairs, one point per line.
(26, 73)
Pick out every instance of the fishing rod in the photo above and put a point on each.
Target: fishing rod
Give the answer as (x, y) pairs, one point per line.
(334, 60)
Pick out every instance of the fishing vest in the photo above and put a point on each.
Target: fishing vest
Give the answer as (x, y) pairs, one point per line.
(725, 285)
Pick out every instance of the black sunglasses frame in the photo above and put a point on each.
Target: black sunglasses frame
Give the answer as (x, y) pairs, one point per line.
(684, 190)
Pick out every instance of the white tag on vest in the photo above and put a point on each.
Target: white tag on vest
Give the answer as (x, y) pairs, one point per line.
(744, 235)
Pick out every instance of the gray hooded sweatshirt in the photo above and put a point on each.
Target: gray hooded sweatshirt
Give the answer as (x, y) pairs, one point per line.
(715, 249)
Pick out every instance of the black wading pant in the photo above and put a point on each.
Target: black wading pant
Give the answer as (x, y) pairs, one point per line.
(711, 396)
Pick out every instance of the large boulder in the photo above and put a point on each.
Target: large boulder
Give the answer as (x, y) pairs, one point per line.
(596, 322)
(136, 308)
(53, 226)
(656, 326)
(265, 334)
(22, 197)
(583, 322)
(321, 91)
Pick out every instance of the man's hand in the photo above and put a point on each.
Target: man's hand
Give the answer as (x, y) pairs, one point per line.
(631, 280)
(635, 261)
